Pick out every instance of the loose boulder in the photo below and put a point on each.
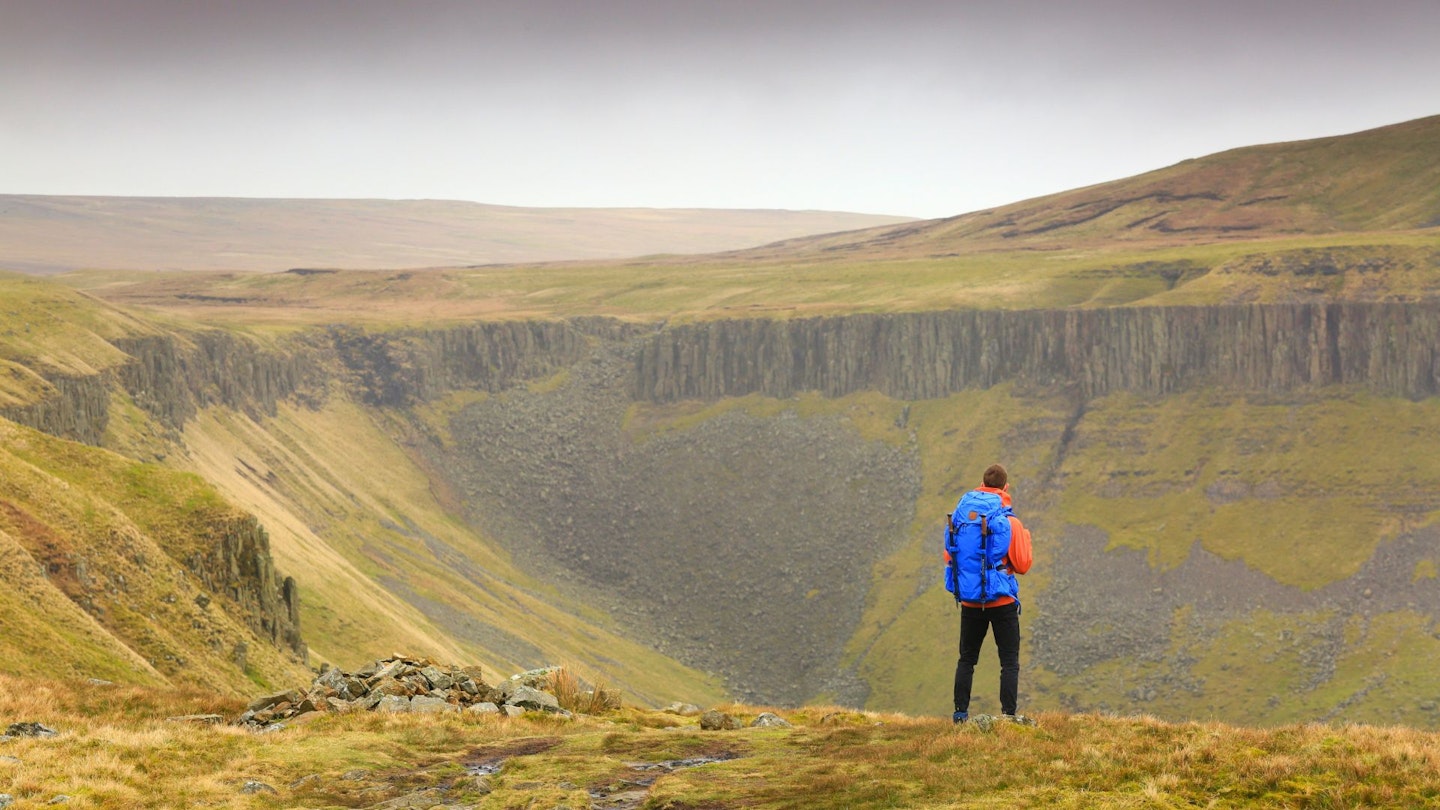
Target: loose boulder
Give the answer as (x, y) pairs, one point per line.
(715, 720)
(30, 730)
(770, 720)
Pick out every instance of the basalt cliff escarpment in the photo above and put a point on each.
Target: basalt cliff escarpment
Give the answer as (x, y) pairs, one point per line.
(1390, 348)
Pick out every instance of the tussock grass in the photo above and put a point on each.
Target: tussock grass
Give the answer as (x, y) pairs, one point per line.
(116, 749)
(575, 695)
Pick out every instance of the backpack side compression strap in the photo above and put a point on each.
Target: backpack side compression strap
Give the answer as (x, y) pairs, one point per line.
(953, 553)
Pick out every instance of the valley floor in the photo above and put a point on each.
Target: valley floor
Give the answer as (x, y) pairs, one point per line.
(116, 748)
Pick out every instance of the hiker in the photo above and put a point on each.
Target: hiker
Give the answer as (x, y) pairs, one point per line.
(985, 546)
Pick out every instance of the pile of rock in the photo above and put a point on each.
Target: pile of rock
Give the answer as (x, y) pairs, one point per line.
(401, 684)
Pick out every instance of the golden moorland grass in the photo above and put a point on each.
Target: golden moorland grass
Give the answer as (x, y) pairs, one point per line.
(722, 286)
(117, 749)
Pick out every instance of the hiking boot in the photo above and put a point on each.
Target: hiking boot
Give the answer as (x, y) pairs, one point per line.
(960, 717)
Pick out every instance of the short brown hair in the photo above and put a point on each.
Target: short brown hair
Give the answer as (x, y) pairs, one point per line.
(995, 477)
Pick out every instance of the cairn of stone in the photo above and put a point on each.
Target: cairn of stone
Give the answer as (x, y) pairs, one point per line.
(402, 684)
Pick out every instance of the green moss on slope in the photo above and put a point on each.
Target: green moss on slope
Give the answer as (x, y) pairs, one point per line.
(1301, 489)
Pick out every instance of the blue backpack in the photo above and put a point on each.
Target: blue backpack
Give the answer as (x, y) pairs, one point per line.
(977, 539)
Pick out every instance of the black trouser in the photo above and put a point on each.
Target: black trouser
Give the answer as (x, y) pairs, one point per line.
(974, 623)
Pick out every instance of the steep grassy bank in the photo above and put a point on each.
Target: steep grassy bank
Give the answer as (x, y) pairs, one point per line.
(116, 750)
(117, 569)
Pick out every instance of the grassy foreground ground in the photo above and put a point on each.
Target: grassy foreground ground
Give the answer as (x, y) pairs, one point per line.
(117, 749)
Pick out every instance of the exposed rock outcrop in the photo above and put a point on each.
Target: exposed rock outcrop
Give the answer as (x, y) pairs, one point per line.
(402, 368)
(77, 408)
(238, 564)
(172, 376)
(1391, 348)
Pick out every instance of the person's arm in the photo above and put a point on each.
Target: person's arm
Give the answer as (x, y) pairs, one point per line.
(1020, 556)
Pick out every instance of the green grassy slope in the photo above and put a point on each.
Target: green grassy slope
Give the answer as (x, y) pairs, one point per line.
(1353, 217)
(94, 550)
(46, 328)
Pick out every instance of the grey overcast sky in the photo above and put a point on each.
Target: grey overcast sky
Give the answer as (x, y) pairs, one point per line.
(895, 106)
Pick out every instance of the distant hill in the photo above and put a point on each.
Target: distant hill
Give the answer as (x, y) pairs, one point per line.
(45, 234)
(1378, 180)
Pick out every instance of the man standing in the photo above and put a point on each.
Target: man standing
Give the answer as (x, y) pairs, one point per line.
(985, 547)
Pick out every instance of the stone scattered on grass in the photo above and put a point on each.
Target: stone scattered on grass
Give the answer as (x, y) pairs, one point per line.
(252, 786)
(30, 730)
(770, 719)
(199, 719)
(529, 698)
(715, 720)
(987, 722)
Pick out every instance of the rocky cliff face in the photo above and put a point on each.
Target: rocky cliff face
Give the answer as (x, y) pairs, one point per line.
(173, 376)
(237, 563)
(1389, 348)
(78, 408)
(401, 368)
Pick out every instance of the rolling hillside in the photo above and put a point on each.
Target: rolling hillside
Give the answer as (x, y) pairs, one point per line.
(41, 234)
(1385, 179)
